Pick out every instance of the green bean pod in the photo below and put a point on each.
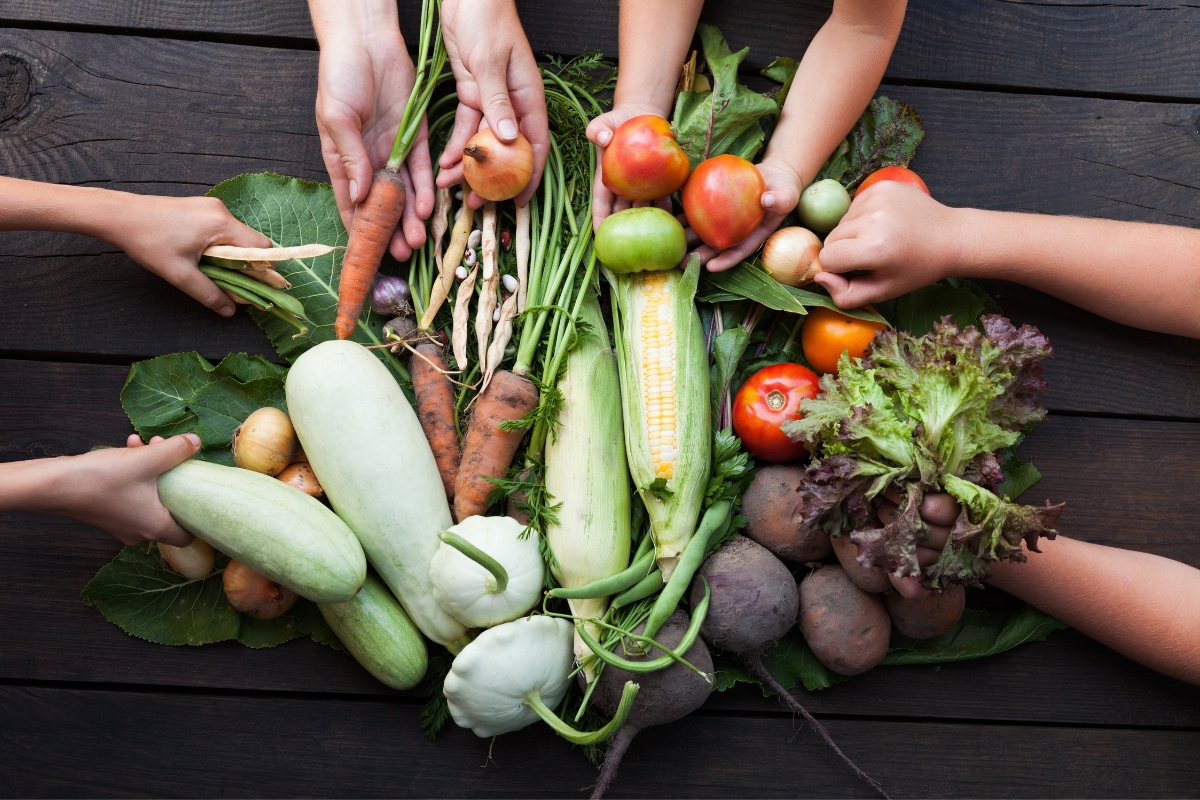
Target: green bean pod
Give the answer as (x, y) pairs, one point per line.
(281, 299)
(647, 586)
(689, 562)
(613, 584)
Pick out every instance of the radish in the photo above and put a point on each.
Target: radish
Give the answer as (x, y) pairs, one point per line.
(665, 696)
(754, 603)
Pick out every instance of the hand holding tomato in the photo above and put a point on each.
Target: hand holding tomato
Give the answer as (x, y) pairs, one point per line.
(770, 398)
(902, 238)
(827, 334)
(781, 192)
(600, 131)
(894, 173)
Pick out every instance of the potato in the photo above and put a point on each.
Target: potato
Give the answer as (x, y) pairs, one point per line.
(771, 507)
(846, 627)
(868, 578)
(928, 616)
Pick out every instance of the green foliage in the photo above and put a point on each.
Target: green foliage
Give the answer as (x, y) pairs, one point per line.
(292, 212)
(749, 281)
(917, 311)
(436, 712)
(143, 597)
(727, 349)
(731, 470)
(886, 135)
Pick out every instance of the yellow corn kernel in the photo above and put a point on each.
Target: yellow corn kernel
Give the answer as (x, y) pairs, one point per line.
(658, 372)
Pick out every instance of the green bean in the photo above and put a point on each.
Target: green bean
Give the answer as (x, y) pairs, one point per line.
(290, 319)
(258, 302)
(613, 584)
(281, 299)
(685, 568)
(642, 589)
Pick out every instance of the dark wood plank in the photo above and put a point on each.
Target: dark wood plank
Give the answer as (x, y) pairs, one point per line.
(179, 744)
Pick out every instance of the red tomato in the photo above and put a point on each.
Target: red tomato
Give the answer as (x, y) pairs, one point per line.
(898, 174)
(643, 160)
(722, 200)
(770, 398)
(827, 334)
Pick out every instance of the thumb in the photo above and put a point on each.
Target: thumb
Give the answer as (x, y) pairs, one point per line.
(497, 107)
(166, 454)
(239, 234)
(600, 130)
(344, 128)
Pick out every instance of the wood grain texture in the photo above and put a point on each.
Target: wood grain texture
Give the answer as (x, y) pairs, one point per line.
(181, 744)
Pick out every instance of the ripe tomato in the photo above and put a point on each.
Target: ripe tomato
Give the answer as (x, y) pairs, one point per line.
(899, 174)
(770, 398)
(827, 334)
(643, 161)
(722, 200)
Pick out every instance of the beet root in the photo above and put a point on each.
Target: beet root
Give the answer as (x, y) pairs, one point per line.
(928, 616)
(771, 507)
(869, 579)
(664, 696)
(846, 627)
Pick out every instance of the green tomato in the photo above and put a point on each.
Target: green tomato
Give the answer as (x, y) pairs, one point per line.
(640, 239)
(823, 204)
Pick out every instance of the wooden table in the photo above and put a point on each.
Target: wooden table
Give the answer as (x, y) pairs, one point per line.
(1051, 107)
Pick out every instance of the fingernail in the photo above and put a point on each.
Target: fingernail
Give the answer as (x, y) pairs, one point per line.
(768, 200)
(226, 311)
(353, 191)
(604, 137)
(194, 439)
(508, 130)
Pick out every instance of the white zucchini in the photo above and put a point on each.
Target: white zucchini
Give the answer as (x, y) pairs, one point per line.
(366, 446)
(275, 530)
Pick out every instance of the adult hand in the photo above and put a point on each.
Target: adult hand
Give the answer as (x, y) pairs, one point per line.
(195, 224)
(600, 132)
(779, 198)
(363, 85)
(939, 512)
(902, 238)
(499, 86)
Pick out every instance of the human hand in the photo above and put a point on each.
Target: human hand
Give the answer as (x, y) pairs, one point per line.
(939, 511)
(193, 224)
(600, 132)
(116, 489)
(363, 85)
(901, 236)
(499, 86)
(780, 196)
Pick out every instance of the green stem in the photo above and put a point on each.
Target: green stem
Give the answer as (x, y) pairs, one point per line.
(534, 701)
(613, 584)
(689, 562)
(429, 68)
(301, 328)
(478, 556)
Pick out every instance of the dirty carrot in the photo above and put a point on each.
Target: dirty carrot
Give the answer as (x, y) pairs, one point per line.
(435, 408)
(489, 449)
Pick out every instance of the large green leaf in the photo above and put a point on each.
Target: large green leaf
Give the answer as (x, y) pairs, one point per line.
(748, 281)
(977, 634)
(156, 393)
(292, 212)
(222, 405)
(887, 134)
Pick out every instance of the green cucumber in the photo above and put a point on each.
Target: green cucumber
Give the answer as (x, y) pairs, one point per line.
(380, 636)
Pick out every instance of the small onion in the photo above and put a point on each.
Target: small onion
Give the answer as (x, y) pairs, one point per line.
(495, 170)
(301, 476)
(254, 594)
(389, 296)
(194, 561)
(510, 283)
(400, 329)
(792, 256)
(265, 442)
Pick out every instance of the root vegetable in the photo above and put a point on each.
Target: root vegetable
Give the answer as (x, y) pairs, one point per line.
(665, 696)
(193, 561)
(390, 296)
(265, 442)
(869, 579)
(927, 616)
(771, 507)
(846, 627)
(435, 408)
(300, 476)
(489, 449)
(254, 594)
(496, 170)
(375, 220)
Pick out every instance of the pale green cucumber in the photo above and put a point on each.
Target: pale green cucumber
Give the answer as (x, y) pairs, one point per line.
(365, 444)
(270, 527)
(380, 636)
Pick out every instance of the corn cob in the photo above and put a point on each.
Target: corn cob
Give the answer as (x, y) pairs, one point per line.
(585, 471)
(664, 398)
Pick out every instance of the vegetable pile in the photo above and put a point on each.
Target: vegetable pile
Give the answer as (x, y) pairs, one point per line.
(540, 444)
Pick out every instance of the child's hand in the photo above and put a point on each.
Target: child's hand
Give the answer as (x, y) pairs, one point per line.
(499, 86)
(781, 195)
(116, 490)
(363, 84)
(167, 235)
(902, 237)
(600, 132)
(939, 511)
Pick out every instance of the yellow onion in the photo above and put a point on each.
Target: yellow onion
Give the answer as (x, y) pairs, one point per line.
(495, 170)
(193, 561)
(300, 476)
(254, 594)
(265, 442)
(792, 256)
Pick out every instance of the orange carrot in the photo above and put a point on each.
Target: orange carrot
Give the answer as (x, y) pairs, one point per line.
(375, 220)
(435, 409)
(489, 450)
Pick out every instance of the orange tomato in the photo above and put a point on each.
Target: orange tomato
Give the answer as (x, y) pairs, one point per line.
(898, 174)
(827, 334)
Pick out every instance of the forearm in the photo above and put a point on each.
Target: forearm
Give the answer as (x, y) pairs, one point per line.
(359, 19)
(1141, 605)
(654, 40)
(35, 485)
(1138, 274)
(36, 206)
(836, 80)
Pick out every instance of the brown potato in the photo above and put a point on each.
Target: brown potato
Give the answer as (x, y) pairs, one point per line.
(846, 627)
(868, 578)
(928, 616)
(772, 512)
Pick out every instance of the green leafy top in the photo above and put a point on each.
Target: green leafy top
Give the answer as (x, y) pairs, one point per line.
(886, 135)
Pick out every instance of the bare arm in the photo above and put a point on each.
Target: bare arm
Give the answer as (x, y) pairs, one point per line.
(1141, 605)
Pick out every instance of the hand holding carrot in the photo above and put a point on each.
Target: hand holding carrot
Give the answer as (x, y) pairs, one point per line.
(499, 86)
